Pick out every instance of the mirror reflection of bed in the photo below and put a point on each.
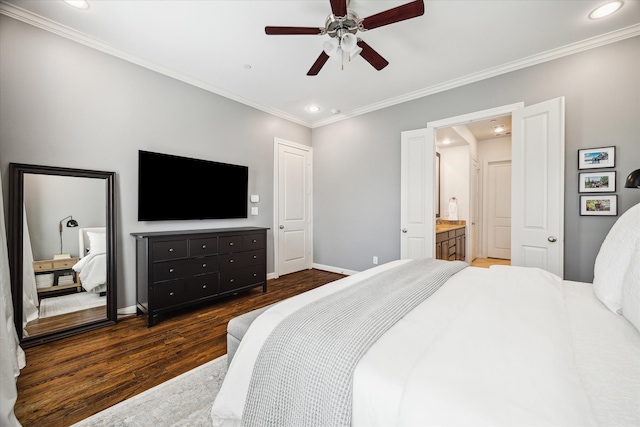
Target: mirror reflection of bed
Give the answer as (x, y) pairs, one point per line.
(71, 290)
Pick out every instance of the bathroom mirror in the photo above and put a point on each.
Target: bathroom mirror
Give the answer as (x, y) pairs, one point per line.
(61, 251)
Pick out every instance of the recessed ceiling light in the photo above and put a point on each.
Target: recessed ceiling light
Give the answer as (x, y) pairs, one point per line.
(498, 128)
(247, 66)
(606, 9)
(446, 141)
(78, 4)
(335, 111)
(313, 109)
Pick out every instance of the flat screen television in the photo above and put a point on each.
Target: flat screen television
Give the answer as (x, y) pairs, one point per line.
(181, 188)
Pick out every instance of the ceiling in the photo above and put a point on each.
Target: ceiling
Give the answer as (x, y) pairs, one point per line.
(481, 130)
(221, 46)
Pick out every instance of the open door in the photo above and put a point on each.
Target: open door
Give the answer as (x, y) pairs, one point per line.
(537, 187)
(537, 227)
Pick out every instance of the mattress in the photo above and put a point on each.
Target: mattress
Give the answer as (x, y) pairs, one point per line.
(492, 347)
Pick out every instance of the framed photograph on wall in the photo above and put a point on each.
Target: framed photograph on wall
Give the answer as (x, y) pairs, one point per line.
(597, 182)
(595, 158)
(599, 205)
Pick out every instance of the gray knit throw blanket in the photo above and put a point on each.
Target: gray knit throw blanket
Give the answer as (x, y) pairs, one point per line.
(303, 375)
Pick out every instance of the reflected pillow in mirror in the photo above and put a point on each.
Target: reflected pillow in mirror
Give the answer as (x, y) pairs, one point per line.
(97, 242)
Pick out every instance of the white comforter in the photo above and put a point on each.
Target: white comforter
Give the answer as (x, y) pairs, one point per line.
(93, 271)
(491, 347)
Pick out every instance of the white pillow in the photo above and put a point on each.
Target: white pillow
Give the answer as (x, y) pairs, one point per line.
(631, 289)
(613, 259)
(97, 242)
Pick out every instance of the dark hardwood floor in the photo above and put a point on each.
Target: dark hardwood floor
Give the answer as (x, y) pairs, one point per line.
(71, 379)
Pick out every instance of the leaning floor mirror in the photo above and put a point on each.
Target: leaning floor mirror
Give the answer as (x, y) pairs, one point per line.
(62, 251)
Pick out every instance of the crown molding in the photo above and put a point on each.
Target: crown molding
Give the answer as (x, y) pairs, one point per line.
(69, 33)
(550, 55)
(79, 37)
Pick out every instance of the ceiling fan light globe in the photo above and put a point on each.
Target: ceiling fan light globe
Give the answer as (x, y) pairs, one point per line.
(348, 42)
(355, 52)
(338, 55)
(330, 47)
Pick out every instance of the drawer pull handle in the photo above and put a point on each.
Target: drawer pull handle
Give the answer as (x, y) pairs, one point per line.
(204, 265)
(204, 246)
(255, 257)
(230, 243)
(204, 286)
(170, 294)
(230, 260)
(170, 249)
(171, 270)
(255, 241)
(230, 280)
(255, 274)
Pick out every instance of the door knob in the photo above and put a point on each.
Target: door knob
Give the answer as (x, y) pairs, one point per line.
(281, 227)
(404, 230)
(552, 239)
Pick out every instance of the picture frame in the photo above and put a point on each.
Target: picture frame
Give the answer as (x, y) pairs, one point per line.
(599, 205)
(597, 158)
(597, 182)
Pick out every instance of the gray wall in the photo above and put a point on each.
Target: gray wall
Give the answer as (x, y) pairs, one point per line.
(357, 161)
(48, 199)
(64, 104)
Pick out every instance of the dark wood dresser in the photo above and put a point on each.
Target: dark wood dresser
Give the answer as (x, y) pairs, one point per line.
(177, 269)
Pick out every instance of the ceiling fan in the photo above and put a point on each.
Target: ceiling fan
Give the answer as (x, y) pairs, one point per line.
(342, 26)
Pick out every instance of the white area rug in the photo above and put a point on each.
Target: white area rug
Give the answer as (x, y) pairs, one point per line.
(183, 401)
(69, 303)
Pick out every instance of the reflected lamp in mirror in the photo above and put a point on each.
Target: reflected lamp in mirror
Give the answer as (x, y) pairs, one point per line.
(633, 180)
(71, 223)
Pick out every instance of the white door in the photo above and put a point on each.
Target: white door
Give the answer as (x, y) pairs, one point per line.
(293, 207)
(417, 196)
(499, 209)
(537, 238)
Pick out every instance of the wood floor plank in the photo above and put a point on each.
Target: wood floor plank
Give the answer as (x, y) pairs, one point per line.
(71, 379)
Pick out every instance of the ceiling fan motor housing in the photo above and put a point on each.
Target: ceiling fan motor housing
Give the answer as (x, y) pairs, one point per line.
(337, 26)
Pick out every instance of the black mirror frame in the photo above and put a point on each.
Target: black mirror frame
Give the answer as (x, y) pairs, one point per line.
(16, 200)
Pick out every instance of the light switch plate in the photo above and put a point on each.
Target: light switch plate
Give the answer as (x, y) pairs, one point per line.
(255, 198)
(254, 210)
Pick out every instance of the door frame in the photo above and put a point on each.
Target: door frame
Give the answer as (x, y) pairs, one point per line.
(463, 119)
(277, 142)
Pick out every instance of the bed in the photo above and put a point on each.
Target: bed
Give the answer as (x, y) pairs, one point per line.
(92, 267)
(500, 346)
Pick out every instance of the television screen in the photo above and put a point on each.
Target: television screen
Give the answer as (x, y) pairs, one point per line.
(179, 188)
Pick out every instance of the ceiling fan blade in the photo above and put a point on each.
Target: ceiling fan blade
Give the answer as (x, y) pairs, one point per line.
(317, 66)
(397, 14)
(339, 7)
(279, 31)
(371, 56)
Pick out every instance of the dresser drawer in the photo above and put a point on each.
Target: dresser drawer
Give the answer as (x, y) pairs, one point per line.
(203, 286)
(42, 266)
(201, 247)
(253, 241)
(230, 244)
(170, 270)
(237, 279)
(169, 294)
(241, 259)
(173, 249)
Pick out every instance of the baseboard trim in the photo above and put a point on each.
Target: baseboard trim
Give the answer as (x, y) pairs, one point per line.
(332, 269)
